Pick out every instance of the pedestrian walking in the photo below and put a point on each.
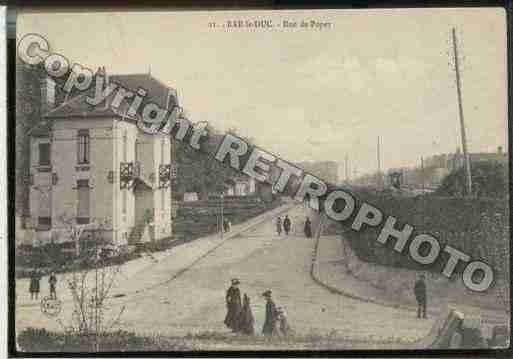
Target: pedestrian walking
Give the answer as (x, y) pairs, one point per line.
(271, 315)
(308, 228)
(52, 281)
(233, 305)
(286, 225)
(278, 226)
(34, 287)
(421, 296)
(246, 319)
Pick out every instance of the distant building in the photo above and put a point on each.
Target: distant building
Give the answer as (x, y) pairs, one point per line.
(190, 197)
(457, 159)
(92, 163)
(240, 186)
(325, 170)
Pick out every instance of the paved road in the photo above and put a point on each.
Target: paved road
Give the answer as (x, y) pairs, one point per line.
(194, 301)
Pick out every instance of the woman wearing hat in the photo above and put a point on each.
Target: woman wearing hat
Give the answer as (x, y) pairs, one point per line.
(271, 314)
(233, 304)
(246, 319)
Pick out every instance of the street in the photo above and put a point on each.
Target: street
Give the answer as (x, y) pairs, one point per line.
(193, 302)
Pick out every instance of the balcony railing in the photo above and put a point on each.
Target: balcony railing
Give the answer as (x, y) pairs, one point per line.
(130, 171)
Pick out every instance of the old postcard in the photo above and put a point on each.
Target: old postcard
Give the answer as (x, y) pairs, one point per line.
(261, 180)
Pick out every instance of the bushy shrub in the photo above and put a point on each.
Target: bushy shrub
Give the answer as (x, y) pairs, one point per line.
(41, 340)
(478, 227)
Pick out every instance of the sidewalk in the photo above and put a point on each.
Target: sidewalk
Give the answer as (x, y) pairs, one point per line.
(165, 265)
(336, 267)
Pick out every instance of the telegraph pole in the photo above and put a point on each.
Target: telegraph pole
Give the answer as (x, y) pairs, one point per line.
(222, 215)
(379, 163)
(422, 174)
(347, 170)
(460, 108)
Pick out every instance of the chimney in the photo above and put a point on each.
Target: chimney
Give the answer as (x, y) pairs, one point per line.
(107, 77)
(101, 72)
(172, 97)
(47, 95)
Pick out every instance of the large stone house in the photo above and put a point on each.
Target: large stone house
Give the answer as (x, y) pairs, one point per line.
(93, 165)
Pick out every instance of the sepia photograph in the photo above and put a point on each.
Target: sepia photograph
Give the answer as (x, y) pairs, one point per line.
(261, 180)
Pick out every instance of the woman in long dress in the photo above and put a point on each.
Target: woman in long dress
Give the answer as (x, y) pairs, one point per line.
(35, 279)
(246, 319)
(271, 315)
(308, 228)
(233, 304)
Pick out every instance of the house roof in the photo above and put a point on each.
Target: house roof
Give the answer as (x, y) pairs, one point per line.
(157, 93)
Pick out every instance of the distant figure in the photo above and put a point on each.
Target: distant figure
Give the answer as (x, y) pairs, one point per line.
(420, 295)
(282, 322)
(246, 319)
(278, 226)
(226, 225)
(271, 315)
(52, 281)
(35, 278)
(286, 225)
(308, 228)
(233, 305)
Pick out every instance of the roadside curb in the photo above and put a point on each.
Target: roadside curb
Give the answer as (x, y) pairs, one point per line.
(314, 273)
(431, 339)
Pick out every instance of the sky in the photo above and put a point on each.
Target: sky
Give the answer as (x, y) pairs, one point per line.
(307, 94)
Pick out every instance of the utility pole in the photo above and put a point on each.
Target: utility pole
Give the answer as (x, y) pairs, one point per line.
(460, 108)
(379, 164)
(347, 170)
(222, 218)
(422, 174)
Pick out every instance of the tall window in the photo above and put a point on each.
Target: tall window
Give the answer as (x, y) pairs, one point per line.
(83, 146)
(83, 201)
(44, 154)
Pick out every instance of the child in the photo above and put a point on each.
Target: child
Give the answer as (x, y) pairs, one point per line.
(283, 323)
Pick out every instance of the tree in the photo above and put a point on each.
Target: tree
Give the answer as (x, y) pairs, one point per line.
(488, 180)
(90, 284)
(28, 115)
(198, 171)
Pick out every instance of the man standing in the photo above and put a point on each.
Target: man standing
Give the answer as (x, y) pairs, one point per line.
(52, 281)
(420, 295)
(286, 224)
(233, 305)
(271, 315)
